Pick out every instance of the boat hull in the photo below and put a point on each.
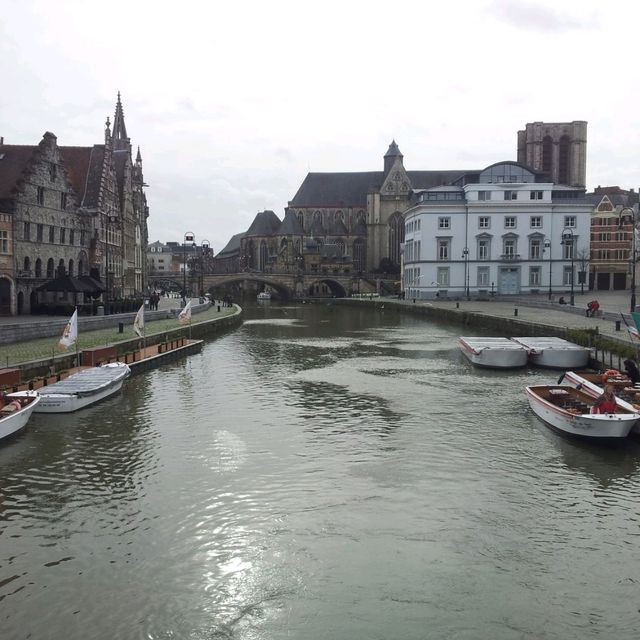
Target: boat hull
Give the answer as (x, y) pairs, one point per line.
(16, 421)
(501, 354)
(54, 402)
(602, 427)
(554, 353)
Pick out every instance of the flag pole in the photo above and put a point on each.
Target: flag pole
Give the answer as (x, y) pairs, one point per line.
(77, 345)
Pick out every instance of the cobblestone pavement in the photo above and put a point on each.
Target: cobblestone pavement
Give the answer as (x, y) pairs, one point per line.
(20, 352)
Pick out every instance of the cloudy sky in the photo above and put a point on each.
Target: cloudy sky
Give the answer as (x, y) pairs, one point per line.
(233, 103)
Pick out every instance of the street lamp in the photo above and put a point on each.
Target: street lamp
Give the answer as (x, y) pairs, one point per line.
(547, 247)
(188, 237)
(567, 241)
(465, 255)
(633, 252)
(204, 254)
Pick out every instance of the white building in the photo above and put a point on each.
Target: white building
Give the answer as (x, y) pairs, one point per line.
(500, 231)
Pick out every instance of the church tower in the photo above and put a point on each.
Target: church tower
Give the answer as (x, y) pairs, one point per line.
(556, 148)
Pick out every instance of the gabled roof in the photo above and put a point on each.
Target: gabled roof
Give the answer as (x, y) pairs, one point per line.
(232, 246)
(351, 189)
(290, 226)
(14, 159)
(76, 161)
(266, 223)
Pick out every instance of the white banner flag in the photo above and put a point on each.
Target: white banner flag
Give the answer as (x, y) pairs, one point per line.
(185, 314)
(138, 323)
(70, 333)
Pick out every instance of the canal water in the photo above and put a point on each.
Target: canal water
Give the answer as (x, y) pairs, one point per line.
(319, 473)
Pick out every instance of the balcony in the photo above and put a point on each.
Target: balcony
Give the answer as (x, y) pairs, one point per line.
(510, 257)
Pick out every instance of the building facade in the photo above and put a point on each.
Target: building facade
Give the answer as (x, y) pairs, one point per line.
(71, 211)
(362, 211)
(504, 230)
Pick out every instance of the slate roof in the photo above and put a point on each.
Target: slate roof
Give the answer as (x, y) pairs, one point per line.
(351, 189)
(14, 159)
(290, 225)
(232, 246)
(76, 161)
(266, 223)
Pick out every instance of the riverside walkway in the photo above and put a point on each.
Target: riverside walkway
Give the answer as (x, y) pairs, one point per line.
(21, 352)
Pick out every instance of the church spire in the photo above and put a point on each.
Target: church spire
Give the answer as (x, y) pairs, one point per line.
(120, 138)
(390, 157)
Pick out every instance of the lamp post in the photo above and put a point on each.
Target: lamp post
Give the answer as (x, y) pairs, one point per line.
(632, 261)
(547, 247)
(188, 237)
(567, 241)
(205, 246)
(465, 255)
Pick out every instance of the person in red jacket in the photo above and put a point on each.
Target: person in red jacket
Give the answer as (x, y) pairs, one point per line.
(606, 403)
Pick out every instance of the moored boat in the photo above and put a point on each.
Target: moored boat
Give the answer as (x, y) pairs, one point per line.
(82, 389)
(264, 295)
(568, 410)
(555, 353)
(15, 411)
(593, 384)
(495, 353)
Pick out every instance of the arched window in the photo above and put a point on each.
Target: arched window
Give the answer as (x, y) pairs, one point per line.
(547, 153)
(396, 237)
(359, 255)
(61, 268)
(50, 268)
(27, 264)
(264, 255)
(71, 267)
(38, 268)
(82, 263)
(300, 215)
(564, 160)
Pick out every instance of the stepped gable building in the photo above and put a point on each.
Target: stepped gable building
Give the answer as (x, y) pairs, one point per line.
(74, 211)
(611, 238)
(363, 211)
(557, 148)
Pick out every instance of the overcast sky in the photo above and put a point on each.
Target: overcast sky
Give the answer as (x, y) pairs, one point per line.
(233, 103)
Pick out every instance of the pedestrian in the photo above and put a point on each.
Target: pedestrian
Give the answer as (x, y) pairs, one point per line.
(631, 369)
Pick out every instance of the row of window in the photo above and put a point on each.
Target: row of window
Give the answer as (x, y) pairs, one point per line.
(509, 249)
(510, 222)
(51, 268)
(66, 236)
(509, 195)
(482, 280)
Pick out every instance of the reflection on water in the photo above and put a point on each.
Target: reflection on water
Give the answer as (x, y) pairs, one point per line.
(320, 472)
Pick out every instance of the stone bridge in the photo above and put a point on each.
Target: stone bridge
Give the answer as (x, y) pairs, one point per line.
(296, 286)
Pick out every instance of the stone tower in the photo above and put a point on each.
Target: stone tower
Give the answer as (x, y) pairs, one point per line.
(557, 148)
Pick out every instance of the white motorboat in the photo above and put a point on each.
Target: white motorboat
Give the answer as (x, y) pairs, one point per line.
(555, 353)
(16, 410)
(496, 353)
(264, 295)
(593, 384)
(568, 410)
(84, 388)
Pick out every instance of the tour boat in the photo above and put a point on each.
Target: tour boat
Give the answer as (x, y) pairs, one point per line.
(496, 353)
(82, 389)
(264, 295)
(628, 396)
(555, 353)
(16, 411)
(568, 410)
